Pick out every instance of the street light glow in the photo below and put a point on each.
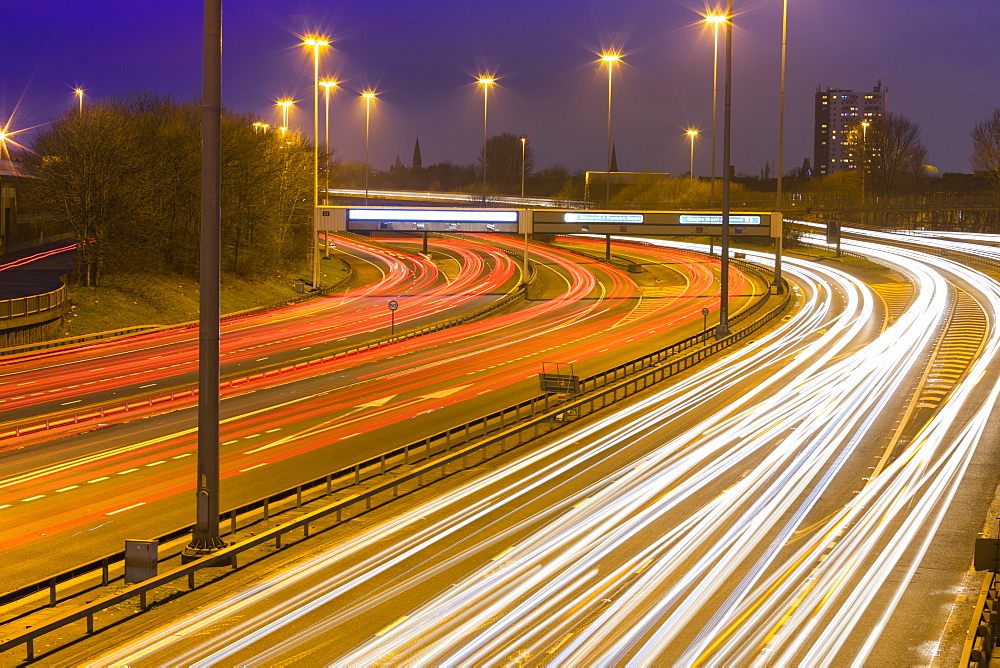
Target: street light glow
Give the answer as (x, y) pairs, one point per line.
(692, 133)
(716, 18)
(486, 81)
(611, 57)
(368, 95)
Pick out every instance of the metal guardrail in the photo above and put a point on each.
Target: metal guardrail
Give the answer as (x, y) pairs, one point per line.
(978, 648)
(22, 306)
(532, 415)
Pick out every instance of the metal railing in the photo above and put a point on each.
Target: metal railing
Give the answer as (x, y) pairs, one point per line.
(22, 306)
(535, 416)
(978, 648)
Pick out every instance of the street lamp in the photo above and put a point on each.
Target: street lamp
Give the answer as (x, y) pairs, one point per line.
(327, 85)
(692, 134)
(864, 159)
(368, 96)
(714, 20)
(315, 43)
(524, 143)
(79, 93)
(610, 59)
(485, 82)
(779, 240)
(284, 104)
(723, 328)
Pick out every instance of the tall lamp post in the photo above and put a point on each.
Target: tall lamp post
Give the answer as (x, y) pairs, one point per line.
(205, 537)
(327, 85)
(368, 96)
(315, 43)
(691, 135)
(610, 59)
(524, 144)
(79, 93)
(284, 104)
(779, 240)
(485, 82)
(714, 20)
(863, 167)
(723, 329)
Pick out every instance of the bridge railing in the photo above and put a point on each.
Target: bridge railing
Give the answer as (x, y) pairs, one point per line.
(22, 306)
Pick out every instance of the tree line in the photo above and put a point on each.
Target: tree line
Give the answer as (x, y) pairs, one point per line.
(124, 176)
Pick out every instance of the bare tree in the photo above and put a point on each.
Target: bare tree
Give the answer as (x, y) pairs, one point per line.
(503, 162)
(894, 154)
(986, 149)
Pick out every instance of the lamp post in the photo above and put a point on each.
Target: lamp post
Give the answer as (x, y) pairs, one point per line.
(485, 82)
(863, 168)
(284, 104)
(779, 240)
(368, 96)
(610, 59)
(723, 329)
(327, 85)
(691, 135)
(524, 143)
(79, 93)
(315, 43)
(714, 20)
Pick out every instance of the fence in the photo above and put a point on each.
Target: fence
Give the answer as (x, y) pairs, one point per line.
(535, 416)
(22, 306)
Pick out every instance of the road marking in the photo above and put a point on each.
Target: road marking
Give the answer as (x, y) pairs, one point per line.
(502, 553)
(32, 498)
(66, 489)
(6, 505)
(75, 401)
(122, 510)
(251, 468)
(251, 436)
(162, 461)
(260, 359)
(235, 440)
(393, 625)
(186, 454)
(344, 438)
(98, 479)
(126, 471)
(142, 387)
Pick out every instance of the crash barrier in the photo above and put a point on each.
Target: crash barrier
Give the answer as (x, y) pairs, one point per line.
(508, 427)
(979, 643)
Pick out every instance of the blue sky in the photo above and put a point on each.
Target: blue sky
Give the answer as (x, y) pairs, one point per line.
(937, 59)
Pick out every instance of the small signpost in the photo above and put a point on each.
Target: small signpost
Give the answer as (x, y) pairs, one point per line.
(393, 305)
(704, 313)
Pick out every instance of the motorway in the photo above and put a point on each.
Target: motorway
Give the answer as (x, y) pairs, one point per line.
(791, 504)
(65, 500)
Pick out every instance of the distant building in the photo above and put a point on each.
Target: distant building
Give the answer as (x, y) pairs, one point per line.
(838, 113)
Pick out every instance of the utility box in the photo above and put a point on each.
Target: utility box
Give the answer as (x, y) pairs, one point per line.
(140, 560)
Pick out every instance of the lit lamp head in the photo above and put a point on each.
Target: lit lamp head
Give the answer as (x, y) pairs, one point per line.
(486, 81)
(368, 95)
(328, 85)
(315, 42)
(610, 57)
(692, 133)
(715, 18)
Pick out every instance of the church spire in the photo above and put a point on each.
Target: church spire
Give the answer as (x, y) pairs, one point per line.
(417, 161)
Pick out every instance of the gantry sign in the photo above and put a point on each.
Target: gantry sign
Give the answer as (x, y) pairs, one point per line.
(552, 221)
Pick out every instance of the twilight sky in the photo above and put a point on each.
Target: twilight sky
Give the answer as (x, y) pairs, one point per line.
(939, 61)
